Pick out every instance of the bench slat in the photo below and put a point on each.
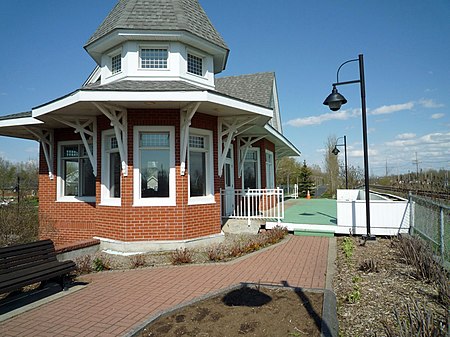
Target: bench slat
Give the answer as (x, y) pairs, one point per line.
(29, 270)
(25, 265)
(30, 263)
(6, 251)
(41, 275)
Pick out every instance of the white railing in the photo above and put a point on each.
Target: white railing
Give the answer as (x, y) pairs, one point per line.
(253, 204)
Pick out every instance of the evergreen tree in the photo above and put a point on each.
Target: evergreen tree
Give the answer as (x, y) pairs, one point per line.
(305, 181)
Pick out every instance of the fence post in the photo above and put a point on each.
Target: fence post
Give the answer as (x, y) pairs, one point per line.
(442, 234)
(411, 213)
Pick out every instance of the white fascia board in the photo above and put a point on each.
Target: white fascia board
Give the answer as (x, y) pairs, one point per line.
(281, 138)
(155, 96)
(20, 122)
(57, 104)
(227, 101)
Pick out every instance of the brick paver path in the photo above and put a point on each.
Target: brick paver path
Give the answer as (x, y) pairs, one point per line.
(116, 302)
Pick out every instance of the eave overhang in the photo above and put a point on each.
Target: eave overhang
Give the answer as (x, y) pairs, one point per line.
(212, 103)
(17, 127)
(79, 104)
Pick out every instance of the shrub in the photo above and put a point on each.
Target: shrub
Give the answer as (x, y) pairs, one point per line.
(84, 264)
(369, 266)
(418, 254)
(181, 256)
(418, 322)
(101, 262)
(137, 261)
(18, 223)
(216, 253)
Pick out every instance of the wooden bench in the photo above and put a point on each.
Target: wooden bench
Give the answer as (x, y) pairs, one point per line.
(29, 263)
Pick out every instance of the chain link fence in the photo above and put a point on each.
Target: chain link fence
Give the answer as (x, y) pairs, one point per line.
(431, 221)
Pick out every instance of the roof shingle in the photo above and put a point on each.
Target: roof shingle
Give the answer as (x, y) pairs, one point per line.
(254, 88)
(159, 15)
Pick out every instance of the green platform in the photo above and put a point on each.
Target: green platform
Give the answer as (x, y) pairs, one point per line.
(312, 212)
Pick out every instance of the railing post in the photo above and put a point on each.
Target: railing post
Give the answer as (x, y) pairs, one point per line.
(248, 207)
(278, 205)
(442, 234)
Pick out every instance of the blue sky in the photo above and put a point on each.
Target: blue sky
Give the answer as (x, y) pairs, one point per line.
(406, 47)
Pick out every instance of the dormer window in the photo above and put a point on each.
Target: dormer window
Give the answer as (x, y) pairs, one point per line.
(116, 64)
(153, 58)
(195, 65)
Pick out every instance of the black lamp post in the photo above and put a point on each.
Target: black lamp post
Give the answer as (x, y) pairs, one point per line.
(334, 101)
(336, 151)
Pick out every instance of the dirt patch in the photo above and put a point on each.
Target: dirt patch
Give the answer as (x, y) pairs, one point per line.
(245, 312)
(366, 299)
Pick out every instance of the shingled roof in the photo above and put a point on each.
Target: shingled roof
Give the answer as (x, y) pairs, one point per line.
(159, 15)
(254, 88)
(129, 85)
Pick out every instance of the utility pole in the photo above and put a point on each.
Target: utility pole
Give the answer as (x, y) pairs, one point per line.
(417, 162)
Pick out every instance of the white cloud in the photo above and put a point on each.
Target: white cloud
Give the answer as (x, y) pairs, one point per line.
(430, 104)
(406, 136)
(437, 116)
(388, 109)
(316, 120)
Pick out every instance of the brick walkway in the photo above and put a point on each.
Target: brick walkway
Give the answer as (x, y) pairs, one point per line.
(116, 302)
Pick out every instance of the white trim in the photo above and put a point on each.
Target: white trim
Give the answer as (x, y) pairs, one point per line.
(20, 121)
(152, 46)
(118, 118)
(186, 115)
(60, 197)
(209, 197)
(199, 55)
(47, 140)
(85, 126)
(258, 166)
(105, 198)
(137, 200)
(166, 96)
(230, 128)
(268, 174)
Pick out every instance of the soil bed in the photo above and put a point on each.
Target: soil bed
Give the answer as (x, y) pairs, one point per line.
(245, 312)
(367, 299)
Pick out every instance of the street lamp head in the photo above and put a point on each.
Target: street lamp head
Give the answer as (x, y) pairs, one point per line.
(335, 151)
(335, 100)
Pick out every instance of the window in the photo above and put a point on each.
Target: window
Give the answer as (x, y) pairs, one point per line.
(154, 165)
(153, 58)
(111, 169)
(75, 173)
(270, 173)
(251, 169)
(200, 166)
(116, 64)
(195, 65)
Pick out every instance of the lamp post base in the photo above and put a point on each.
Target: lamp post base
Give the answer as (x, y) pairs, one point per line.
(369, 237)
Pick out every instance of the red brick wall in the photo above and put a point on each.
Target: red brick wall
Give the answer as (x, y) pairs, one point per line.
(67, 222)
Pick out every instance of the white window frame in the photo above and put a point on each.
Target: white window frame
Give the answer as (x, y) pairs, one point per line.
(209, 197)
(258, 167)
(106, 199)
(270, 170)
(171, 199)
(60, 197)
(198, 55)
(112, 54)
(147, 46)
